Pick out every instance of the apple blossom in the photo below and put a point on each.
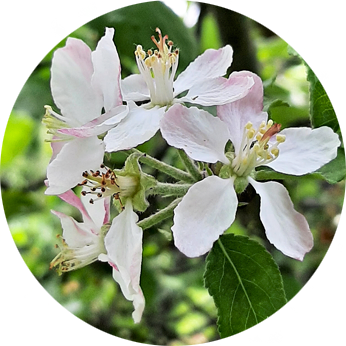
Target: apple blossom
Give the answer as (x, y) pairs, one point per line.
(210, 205)
(119, 243)
(155, 84)
(82, 84)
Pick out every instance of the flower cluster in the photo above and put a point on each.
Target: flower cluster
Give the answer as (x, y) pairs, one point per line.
(102, 113)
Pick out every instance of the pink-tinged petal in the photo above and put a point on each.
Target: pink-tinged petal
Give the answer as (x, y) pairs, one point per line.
(74, 234)
(211, 64)
(123, 243)
(285, 228)
(205, 212)
(77, 156)
(106, 77)
(137, 127)
(247, 109)
(71, 198)
(219, 91)
(99, 125)
(71, 87)
(134, 88)
(305, 150)
(202, 136)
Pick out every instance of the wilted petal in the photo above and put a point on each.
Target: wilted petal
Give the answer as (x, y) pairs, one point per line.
(137, 127)
(201, 135)
(211, 64)
(285, 228)
(247, 109)
(305, 150)
(71, 87)
(218, 91)
(123, 243)
(205, 212)
(134, 88)
(106, 77)
(76, 156)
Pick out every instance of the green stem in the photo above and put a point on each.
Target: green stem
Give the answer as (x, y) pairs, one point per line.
(168, 189)
(176, 173)
(190, 166)
(160, 216)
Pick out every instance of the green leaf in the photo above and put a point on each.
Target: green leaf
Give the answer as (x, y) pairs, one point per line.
(245, 283)
(321, 110)
(335, 170)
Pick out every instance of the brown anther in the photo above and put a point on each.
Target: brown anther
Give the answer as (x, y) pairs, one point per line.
(93, 189)
(83, 193)
(91, 201)
(84, 182)
(85, 174)
(271, 132)
(102, 165)
(103, 189)
(176, 51)
(170, 43)
(99, 195)
(116, 196)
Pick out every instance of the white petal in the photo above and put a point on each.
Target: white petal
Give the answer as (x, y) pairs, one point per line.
(123, 243)
(134, 88)
(285, 228)
(305, 150)
(76, 156)
(71, 87)
(99, 125)
(98, 211)
(218, 91)
(74, 233)
(201, 135)
(106, 78)
(205, 212)
(249, 108)
(137, 127)
(211, 64)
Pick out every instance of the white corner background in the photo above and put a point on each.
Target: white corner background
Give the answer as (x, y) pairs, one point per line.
(29, 29)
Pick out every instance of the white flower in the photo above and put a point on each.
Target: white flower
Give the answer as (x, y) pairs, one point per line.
(82, 84)
(210, 205)
(118, 243)
(155, 84)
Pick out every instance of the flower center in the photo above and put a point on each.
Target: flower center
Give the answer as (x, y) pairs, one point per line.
(258, 147)
(104, 183)
(72, 258)
(158, 69)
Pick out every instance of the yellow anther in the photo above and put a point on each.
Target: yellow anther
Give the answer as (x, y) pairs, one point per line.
(270, 123)
(275, 152)
(259, 136)
(248, 126)
(280, 138)
(251, 133)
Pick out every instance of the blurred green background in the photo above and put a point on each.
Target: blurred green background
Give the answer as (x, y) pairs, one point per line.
(178, 308)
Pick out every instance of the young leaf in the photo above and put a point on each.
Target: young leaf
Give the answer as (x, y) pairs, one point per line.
(245, 283)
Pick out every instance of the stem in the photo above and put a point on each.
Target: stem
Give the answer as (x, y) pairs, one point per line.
(190, 166)
(168, 189)
(176, 173)
(160, 216)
